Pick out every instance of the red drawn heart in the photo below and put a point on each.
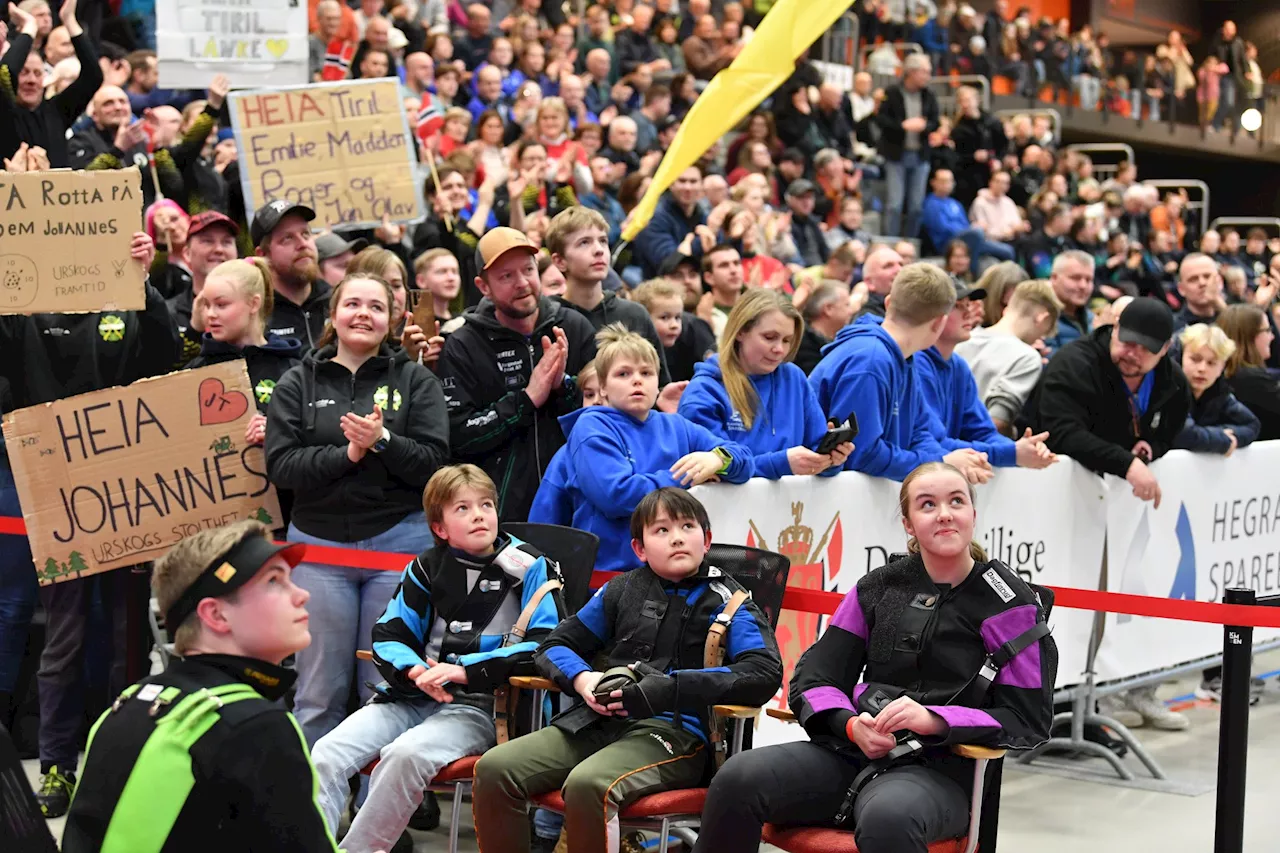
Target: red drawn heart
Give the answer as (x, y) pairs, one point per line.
(220, 406)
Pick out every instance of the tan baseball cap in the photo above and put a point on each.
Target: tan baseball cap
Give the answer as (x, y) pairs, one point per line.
(497, 242)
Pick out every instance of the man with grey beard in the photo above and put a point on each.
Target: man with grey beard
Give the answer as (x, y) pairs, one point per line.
(281, 233)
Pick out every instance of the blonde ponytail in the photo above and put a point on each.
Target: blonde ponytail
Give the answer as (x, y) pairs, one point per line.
(251, 277)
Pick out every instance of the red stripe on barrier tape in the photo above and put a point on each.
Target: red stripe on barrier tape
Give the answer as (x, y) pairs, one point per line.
(818, 601)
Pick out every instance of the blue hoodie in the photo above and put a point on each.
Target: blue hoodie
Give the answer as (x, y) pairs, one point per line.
(553, 504)
(960, 419)
(787, 415)
(862, 371)
(617, 460)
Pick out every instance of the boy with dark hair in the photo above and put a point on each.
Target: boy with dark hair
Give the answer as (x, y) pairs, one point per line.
(644, 724)
(203, 756)
(467, 616)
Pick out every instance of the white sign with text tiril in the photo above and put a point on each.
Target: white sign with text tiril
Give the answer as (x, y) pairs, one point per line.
(252, 42)
(1201, 541)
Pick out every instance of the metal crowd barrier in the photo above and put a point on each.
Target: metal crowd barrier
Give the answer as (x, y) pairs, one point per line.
(1241, 223)
(1055, 118)
(945, 89)
(1104, 170)
(1199, 202)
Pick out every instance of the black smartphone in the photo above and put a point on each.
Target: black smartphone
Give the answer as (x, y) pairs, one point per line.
(847, 431)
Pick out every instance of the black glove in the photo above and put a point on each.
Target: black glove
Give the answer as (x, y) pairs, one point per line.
(650, 696)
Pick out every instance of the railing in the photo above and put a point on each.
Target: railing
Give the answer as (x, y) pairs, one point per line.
(1200, 202)
(1055, 119)
(840, 43)
(1105, 170)
(945, 88)
(1242, 222)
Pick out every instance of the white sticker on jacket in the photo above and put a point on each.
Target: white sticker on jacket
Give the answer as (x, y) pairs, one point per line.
(997, 583)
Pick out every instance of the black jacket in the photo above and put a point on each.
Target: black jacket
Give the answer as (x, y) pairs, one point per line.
(891, 115)
(484, 369)
(304, 322)
(254, 784)
(47, 124)
(695, 343)
(810, 352)
(181, 305)
(633, 315)
(873, 645)
(432, 233)
(811, 243)
(1259, 389)
(633, 50)
(1217, 410)
(49, 357)
(1082, 401)
(971, 135)
(266, 364)
(335, 498)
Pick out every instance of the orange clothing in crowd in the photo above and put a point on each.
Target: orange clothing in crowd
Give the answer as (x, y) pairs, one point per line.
(1160, 222)
(347, 30)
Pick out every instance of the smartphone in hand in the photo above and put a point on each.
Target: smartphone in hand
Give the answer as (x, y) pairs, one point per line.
(846, 431)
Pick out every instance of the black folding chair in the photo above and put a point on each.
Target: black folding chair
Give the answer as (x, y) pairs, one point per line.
(575, 551)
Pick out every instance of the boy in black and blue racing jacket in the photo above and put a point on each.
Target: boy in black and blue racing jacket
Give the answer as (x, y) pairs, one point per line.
(644, 725)
(467, 616)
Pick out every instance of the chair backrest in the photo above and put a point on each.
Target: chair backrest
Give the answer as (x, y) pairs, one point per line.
(763, 573)
(575, 551)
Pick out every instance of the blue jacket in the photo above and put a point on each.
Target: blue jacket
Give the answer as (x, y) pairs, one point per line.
(943, 219)
(863, 371)
(932, 36)
(1068, 330)
(609, 207)
(787, 414)
(960, 418)
(661, 237)
(553, 504)
(1217, 410)
(617, 460)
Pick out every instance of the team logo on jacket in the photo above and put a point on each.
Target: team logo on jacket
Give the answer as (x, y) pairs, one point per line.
(263, 391)
(380, 399)
(812, 567)
(735, 423)
(111, 328)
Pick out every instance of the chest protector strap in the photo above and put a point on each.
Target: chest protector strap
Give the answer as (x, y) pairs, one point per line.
(506, 699)
(998, 660)
(713, 652)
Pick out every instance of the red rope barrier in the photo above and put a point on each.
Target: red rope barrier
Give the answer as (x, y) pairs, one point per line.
(818, 601)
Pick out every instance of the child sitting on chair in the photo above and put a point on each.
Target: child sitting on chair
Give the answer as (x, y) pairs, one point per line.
(467, 615)
(645, 725)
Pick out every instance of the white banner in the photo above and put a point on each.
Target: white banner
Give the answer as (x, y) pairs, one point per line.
(1047, 525)
(253, 42)
(1218, 526)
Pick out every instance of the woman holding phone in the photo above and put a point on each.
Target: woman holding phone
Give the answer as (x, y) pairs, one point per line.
(752, 394)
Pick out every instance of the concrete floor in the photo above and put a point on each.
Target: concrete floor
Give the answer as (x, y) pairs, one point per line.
(1047, 814)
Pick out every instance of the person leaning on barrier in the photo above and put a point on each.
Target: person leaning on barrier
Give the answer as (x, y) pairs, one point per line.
(1217, 422)
(204, 756)
(881, 707)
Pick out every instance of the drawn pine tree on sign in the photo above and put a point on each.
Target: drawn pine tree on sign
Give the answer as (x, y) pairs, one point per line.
(50, 570)
(77, 564)
(263, 516)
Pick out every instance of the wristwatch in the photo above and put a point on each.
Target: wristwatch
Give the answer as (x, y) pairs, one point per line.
(725, 458)
(381, 444)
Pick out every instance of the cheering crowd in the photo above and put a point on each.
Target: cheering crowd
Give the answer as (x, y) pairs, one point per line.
(776, 294)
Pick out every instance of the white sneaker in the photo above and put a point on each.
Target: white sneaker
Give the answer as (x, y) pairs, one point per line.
(1116, 709)
(1144, 701)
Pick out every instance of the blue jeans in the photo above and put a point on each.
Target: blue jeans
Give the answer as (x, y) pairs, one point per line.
(415, 740)
(18, 588)
(906, 179)
(1226, 101)
(979, 246)
(345, 603)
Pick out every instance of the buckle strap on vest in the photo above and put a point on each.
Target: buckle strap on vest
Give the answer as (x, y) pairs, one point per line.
(1001, 657)
(907, 747)
(713, 653)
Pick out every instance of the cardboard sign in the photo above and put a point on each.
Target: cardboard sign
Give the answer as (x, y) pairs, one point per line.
(64, 242)
(116, 477)
(342, 149)
(252, 42)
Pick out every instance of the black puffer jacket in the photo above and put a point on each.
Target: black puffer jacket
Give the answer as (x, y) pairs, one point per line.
(336, 498)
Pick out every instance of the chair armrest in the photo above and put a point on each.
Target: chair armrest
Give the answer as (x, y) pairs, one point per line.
(737, 712)
(364, 654)
(533, 682)
(965, 750)
(783, 714)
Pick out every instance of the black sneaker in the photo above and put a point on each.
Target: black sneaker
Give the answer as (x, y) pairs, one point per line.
(404, 844)
(542, 845)
(427, 817)
(55, 792)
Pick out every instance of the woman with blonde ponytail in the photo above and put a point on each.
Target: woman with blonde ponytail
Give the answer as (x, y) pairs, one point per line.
(233, 309)
(937, 648)
(752, 392)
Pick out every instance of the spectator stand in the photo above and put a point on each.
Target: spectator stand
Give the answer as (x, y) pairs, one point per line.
(1112, 154)
(881, 76)
(1242, 223)
(1197, 202)
(1054, 116)
(945, 90)
(839, 45)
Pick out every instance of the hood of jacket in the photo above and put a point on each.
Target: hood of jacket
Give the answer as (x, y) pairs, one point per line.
(485, 315)
(276, 345)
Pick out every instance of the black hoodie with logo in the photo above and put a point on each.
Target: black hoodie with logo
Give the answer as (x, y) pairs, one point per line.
(266, 364)
(485, 368)
(335, 498)
(304, 322)
(633, 315)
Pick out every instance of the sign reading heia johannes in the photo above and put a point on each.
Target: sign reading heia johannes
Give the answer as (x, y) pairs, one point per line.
(342, 149)
(116, 477)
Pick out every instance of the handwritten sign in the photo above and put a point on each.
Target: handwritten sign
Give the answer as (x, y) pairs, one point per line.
(116, 477)
(252, 42)
(342, 149)
(64, 242)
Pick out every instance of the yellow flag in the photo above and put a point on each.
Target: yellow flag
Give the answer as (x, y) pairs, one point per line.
(789, 28)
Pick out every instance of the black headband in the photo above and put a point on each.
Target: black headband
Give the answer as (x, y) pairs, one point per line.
(229, 572)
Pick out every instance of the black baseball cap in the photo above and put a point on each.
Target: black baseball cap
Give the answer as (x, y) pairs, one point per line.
(1146, 321)
(270, 214)
(230, 571)
(964, 291)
